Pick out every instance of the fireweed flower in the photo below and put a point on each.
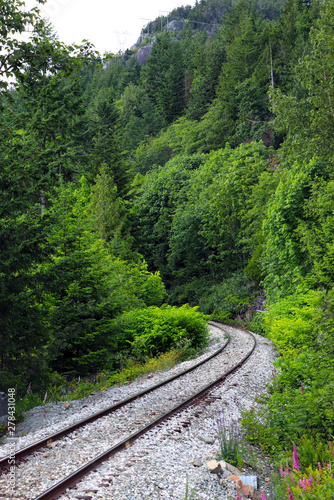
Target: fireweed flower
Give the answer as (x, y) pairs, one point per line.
(302, 388)
(29, 388)
(309, 481)
(295, 459)
(281, 471)
(290, 495)
(302, 483)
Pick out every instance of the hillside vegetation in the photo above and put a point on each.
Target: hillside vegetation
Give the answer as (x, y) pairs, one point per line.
(132, 194)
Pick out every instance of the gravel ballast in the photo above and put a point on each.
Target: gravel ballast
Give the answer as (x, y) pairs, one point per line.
(162, 462)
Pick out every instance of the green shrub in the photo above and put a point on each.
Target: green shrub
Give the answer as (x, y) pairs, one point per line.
(154, 330)
(228, 299)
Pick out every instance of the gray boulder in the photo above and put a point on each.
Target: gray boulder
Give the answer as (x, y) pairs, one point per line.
(175, 26)
(143, 53)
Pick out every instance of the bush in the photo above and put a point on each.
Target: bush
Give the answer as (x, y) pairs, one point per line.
(229, 299)
(298, 482)
(154, 330)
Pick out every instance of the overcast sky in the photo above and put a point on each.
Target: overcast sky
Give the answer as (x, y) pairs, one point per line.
(111, 25)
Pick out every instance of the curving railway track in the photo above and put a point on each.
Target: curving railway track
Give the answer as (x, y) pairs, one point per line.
(76, 450)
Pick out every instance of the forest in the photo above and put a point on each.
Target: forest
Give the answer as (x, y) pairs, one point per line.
(138, 201)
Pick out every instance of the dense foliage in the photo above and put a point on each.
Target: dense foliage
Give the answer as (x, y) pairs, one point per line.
(204, 177)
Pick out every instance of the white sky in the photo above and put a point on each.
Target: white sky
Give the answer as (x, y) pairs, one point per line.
(111, 25)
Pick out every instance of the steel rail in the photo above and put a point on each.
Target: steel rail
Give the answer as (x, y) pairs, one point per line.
(55, 491)
(24, 452)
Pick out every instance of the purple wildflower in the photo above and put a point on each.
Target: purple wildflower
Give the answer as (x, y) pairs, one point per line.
(302, 388)
(295, 459)
(282, 408)
(29, 388)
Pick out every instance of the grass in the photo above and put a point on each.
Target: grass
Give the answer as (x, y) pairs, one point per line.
(63, 389)
(230, 440)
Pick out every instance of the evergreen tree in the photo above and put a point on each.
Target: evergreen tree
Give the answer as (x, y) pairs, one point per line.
(163, 77)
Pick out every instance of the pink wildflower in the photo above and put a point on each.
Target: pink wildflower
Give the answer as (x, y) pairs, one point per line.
(295, 459)
(329, 466)
(281, 471)
(238, 497)
(290, 495)
(29, 388)
(262, 496)
(303, 484)
(302, 388)
(309, 481)
(319, 465)
(287, 470)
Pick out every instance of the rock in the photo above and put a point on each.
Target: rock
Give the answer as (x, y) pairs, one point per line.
(214, 467)
(234, 478)
(66, 406)
(143, 53)
(249, 481)
(233, 469)
(206, 439)
(197, 463)
(245, 490)
(175, 26)
(251, 490)
(3, 404)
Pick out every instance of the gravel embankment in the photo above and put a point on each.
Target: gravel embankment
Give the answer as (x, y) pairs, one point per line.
(159, 463)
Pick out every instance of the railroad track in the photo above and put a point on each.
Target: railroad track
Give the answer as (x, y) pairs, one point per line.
(155, 413)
